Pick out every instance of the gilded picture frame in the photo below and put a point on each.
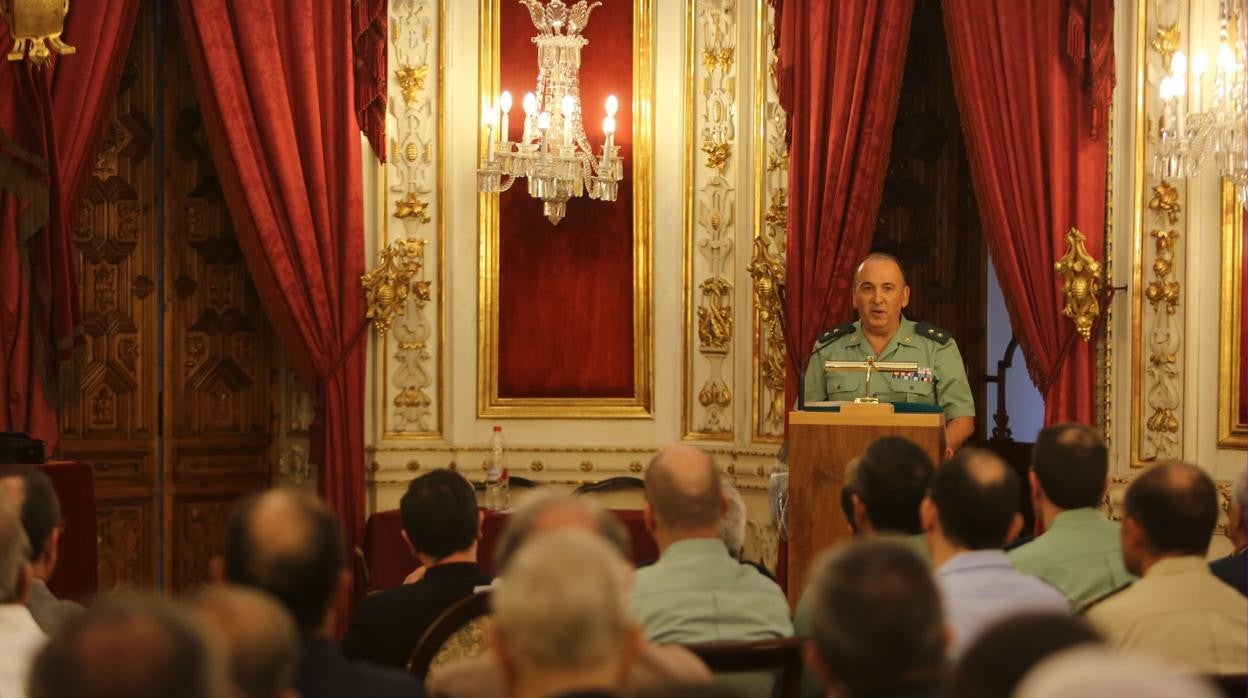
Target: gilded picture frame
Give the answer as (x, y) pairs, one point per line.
(1232, 431)
(640, 405)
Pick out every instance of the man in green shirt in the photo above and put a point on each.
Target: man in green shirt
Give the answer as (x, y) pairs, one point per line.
(880, 293)
(696, 591)
(1080, 551)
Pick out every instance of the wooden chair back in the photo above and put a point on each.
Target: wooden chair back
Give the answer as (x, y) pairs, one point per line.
(782, 654)
(459, 632)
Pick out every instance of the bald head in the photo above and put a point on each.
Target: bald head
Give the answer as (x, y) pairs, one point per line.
(259, 637)
(882, 263)
(1175, 506)
(544, 511)
(684, 490)
(976, 496)
(286, 543)
(135, 647)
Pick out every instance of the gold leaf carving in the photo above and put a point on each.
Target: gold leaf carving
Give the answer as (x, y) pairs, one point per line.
(411, 79)
(411, 206)
(388, 285)
(1081, 283)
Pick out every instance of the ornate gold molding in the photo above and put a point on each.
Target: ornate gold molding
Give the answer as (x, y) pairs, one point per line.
(771, 208)
(1157, 323)
(489, 402)
(1231, 432)
(410, 399)
(1081, 283)
(710, 226)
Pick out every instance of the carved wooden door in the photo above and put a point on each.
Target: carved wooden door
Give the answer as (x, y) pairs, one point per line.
(175, 408)
(929, 218)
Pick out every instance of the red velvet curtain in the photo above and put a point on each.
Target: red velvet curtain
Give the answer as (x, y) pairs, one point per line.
(368, 25)
(840, 77)
(52, 120)
(276, 84)
(1031, 107)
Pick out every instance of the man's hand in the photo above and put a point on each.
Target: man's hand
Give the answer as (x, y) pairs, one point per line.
(957, 431)
(416, 575)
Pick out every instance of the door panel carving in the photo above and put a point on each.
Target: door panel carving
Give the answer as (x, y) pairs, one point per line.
(166, 303)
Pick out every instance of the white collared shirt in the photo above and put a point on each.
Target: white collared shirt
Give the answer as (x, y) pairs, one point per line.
(20, 640)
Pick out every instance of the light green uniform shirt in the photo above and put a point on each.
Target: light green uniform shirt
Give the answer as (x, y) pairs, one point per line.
(802, 614)
(940, 379)
(1080, 554)
(697, 592)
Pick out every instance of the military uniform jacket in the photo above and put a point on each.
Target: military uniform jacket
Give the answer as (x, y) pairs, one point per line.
(939, 380)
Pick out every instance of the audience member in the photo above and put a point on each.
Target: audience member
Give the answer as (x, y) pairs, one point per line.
(970, 514)
(1178, 610)
(1079, 551)
(892, 477)
(877, 627)
(993, 665)
(286, 543)
(696, 591)
(133, 647)
(542, 511)
(881, 498)
(20, 637)
(31, 489)
(561, 619)
(538, 514)
(1233, 569)
(732, 524)
(1093, 672)
(258, 637)
(442, 525)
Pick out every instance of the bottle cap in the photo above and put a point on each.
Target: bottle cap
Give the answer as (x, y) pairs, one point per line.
(497, 428)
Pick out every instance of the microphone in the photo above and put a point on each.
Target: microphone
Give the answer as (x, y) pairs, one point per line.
(799, 369)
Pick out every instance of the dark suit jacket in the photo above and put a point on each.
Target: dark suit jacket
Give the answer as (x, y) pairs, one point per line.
(1233, 569)
(325, 673)
(389, 623)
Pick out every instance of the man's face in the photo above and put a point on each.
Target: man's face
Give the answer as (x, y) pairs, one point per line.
(879, 295)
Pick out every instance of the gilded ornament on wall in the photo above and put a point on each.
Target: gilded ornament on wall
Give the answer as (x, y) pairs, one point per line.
(36, 25)
(1081, 283)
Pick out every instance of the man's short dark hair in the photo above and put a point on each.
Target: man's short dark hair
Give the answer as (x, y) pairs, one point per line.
(440, 513)
(976, 495)
(876, 616)
(136, 647)
(1001, 656)
(1176, 505)
(892, 478)
(41, 510)
(1071, 463)
(303, 575)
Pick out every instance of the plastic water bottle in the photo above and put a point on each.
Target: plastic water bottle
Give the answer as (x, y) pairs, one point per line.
(496, 475)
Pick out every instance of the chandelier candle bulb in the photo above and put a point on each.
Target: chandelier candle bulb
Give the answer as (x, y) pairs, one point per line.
(608, 129)
(530, 113)
(504, 101)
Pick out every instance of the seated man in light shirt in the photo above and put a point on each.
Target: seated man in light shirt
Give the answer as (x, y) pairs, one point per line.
(970, 514)
(696, 591)
(1178, 610)
(1079, 552)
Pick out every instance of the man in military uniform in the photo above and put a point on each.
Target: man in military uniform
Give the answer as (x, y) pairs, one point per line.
(880, 292)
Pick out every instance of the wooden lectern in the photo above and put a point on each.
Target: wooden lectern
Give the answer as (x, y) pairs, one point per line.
(821, 443)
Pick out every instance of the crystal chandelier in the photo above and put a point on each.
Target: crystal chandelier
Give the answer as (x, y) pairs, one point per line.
(553, 154)
(1185, 141)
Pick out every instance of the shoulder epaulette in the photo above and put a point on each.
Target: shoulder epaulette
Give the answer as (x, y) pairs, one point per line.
(932, 332)
(836, 332)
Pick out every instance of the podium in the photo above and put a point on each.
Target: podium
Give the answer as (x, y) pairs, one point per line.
(821, 443)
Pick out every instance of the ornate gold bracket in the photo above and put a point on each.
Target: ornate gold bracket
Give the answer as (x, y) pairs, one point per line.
(1081, 283)
(388, 285)
(1166, 42)
(34, 25)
